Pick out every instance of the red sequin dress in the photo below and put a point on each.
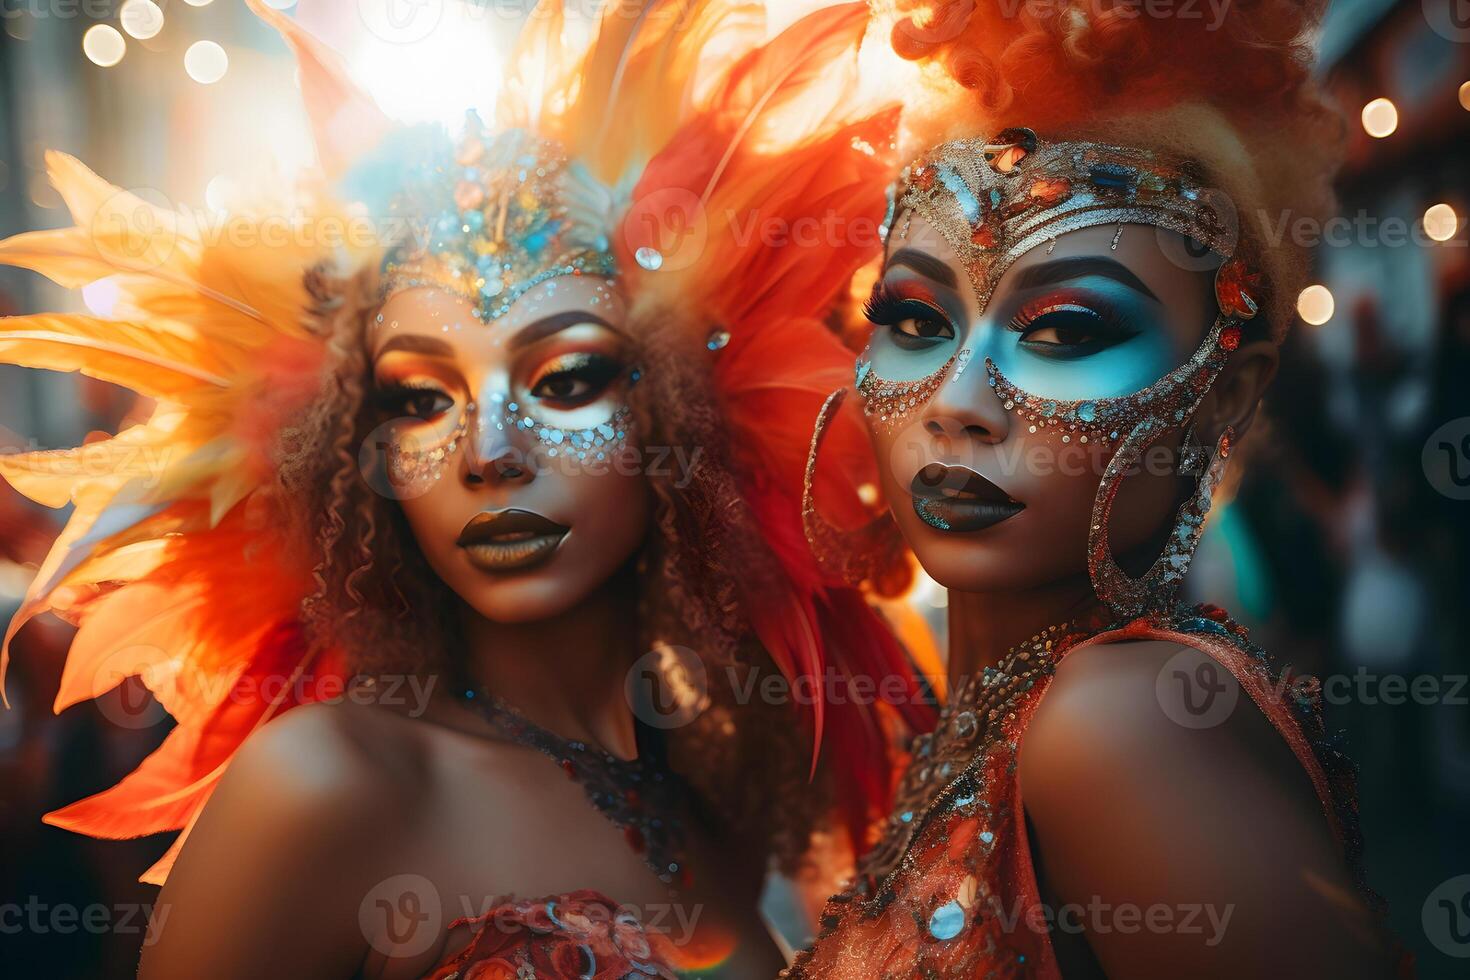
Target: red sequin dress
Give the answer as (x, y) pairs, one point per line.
(581, 934)
(951, 890)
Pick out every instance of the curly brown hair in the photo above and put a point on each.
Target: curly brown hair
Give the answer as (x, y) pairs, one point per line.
(377, 599)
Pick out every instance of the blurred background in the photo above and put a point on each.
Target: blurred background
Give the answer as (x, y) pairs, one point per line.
(1346, 547)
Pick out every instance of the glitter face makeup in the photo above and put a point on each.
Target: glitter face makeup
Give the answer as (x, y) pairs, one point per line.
(569, 405)
(1079, 345)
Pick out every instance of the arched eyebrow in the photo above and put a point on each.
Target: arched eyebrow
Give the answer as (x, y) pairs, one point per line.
(417, 344)
(539, 330)
(543, 328)
(924, 264)
(1077, 267)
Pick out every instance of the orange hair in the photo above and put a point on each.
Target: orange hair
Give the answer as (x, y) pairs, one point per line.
(1230, 88)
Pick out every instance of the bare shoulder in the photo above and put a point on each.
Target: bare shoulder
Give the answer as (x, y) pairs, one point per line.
(1151, 779)
(314, 809)
(1157, 707)
(331, 754)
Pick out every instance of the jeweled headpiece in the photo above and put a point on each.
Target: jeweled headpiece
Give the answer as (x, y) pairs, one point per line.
(501, 214)
(994, 200)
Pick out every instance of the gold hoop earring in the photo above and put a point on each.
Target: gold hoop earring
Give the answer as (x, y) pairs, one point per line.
(865, 554)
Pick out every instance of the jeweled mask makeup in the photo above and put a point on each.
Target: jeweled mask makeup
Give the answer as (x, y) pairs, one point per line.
(1056, 364)
(502, 372)
(500, 216)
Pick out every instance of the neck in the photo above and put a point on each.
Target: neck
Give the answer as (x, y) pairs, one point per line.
(565, 673)
(984, 626)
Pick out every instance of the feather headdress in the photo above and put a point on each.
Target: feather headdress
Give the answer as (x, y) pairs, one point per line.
(180, 573)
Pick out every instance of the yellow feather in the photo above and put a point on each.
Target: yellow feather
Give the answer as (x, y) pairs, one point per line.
(121, 353)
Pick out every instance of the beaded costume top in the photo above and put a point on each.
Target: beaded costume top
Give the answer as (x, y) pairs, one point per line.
(951, 890)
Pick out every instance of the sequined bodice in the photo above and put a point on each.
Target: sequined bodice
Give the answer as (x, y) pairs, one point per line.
(581, 934)
(950, 890)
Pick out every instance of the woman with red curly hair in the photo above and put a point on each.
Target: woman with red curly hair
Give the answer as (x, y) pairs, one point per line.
(1079, 309)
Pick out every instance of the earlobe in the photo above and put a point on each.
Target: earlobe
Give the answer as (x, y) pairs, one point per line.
(1237, 392)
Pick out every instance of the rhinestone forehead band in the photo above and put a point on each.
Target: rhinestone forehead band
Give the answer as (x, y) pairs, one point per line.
(994, 200)
(497, 218)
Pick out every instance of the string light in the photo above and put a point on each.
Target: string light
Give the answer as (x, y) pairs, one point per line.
(103, 45)
(1380, 118)
(1315, 305)
(206, 62)
(1441, 222)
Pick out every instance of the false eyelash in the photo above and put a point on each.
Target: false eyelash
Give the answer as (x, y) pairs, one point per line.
(388, 395)
(886, 308)
(1109, 322)
(593, 368)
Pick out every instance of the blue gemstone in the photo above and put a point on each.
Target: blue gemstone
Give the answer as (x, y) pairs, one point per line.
(906, 816)
(1199, 624)
(1087, 411)
(1111, 176)
(947, 921)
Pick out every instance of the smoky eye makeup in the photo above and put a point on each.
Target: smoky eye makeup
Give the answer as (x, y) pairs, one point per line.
(574, 378)
(1077, 320)
(1067, 327)
(410, 396)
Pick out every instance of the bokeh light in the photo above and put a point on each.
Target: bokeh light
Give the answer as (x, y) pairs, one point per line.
(103, 45)
(206, 62)
(456, 46)
(1441, 222)
(1315, 305)
(1465, 96)
(1380, 118)
(101, 296)
(218, 194)
(142, 19)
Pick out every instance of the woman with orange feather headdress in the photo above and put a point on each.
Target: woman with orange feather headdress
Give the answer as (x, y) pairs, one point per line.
(425, 495)
(1083, 288)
